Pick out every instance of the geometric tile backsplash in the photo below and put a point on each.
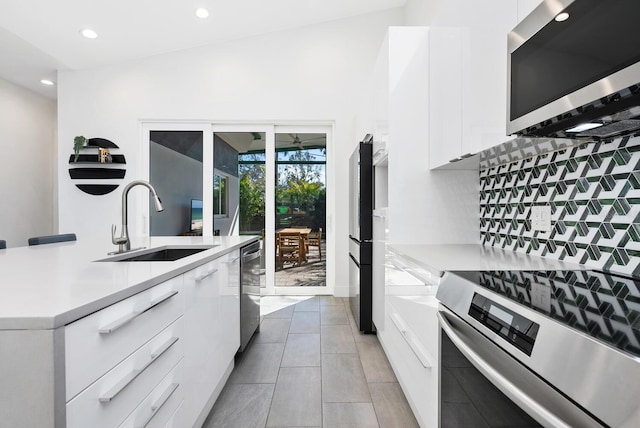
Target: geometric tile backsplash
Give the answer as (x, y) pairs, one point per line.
(593, 190)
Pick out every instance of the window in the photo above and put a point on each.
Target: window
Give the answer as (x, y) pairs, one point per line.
(220, 198)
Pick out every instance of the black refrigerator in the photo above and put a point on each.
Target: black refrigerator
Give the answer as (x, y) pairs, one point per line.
(361, 233)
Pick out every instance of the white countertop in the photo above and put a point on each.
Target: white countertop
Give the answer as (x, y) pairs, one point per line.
(441, 258)
(47, 286)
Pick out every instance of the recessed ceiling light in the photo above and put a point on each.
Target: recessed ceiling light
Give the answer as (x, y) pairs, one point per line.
(584, 127)
(88, 33)
(47, 82)
(202, 13)
(563, 16)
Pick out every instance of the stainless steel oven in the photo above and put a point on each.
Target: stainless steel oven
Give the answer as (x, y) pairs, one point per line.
(528, 349)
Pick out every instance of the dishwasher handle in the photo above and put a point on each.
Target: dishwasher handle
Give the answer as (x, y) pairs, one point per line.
(535, 409)
(251, 256)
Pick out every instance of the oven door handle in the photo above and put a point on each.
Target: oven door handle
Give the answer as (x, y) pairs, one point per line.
(532, 407)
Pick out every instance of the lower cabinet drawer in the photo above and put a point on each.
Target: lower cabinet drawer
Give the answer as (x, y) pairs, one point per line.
(107, 402)
(96, 343)
(160, 407)
(176, 420)
(412, 352)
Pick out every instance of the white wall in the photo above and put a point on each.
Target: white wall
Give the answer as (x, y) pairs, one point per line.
(315, 73)
(27, 181)
(421, 12)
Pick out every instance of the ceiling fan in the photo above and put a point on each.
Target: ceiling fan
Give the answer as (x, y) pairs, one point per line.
(298, 142)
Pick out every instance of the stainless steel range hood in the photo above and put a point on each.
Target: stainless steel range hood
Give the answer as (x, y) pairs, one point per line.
(577, 77)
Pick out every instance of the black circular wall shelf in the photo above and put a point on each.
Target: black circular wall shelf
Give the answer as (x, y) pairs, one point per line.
(92, 172)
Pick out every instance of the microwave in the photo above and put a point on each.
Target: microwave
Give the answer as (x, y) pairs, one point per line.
(574, 70)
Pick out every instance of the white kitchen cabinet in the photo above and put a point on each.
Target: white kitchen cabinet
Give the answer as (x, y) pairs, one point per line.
(96, 343)
(410, 334)
(415, 76)
(158, 408)
(445, 95)
(194, 353)
(482, 89)
(212, 321)
(379, 250)
(175, 420)
(411, 344)
(109, 400)
(90, 343)
(116, 357)
(203, 336)
(230, 304)
(157, 358)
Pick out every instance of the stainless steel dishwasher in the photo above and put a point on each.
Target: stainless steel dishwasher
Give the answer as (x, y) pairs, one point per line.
(249, 292)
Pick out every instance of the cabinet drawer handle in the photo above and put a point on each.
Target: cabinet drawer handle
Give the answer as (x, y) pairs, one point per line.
(413, 343)
(234, 260)
(125, 381)
(205, 275)
(399, 323)
(110, 328)
(418, 350)
(159, 403)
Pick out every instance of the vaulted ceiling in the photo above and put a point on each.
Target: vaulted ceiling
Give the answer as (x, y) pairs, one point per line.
(39, 37)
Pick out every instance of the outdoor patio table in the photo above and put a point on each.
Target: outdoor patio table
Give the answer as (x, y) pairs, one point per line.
(303, 232)
(295, 230)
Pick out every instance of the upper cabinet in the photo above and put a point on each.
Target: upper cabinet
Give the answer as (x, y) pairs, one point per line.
(411, 100)
(446, 95)
(477, 60)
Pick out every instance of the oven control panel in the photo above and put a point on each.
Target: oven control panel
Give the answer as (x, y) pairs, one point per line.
(511, 326)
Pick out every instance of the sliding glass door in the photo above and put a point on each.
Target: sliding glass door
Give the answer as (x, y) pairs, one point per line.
(300, 211)
(245, 179)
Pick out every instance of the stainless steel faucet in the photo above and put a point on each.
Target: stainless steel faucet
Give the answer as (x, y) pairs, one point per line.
(123, 241)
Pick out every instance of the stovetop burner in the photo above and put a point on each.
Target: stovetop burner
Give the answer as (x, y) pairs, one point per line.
(602, 305)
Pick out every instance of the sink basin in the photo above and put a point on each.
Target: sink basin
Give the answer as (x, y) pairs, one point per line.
(160, 254)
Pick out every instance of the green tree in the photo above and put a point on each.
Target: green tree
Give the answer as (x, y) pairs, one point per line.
(303, 193)
(299, 180)
(302, 170)
(252, 196)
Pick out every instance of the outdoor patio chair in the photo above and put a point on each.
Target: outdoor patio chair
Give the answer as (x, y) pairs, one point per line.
(290, 248)
(314, 240)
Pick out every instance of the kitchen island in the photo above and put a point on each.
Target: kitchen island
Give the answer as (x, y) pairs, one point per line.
(89, 342)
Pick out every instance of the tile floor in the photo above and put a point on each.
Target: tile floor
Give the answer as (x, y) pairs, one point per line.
(310, 367)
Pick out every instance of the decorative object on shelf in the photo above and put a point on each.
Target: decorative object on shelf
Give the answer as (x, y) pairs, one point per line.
(107, 166)
(104, 156)
(78, 143)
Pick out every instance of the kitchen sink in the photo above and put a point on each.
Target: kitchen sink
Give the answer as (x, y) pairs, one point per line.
(160, 254)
